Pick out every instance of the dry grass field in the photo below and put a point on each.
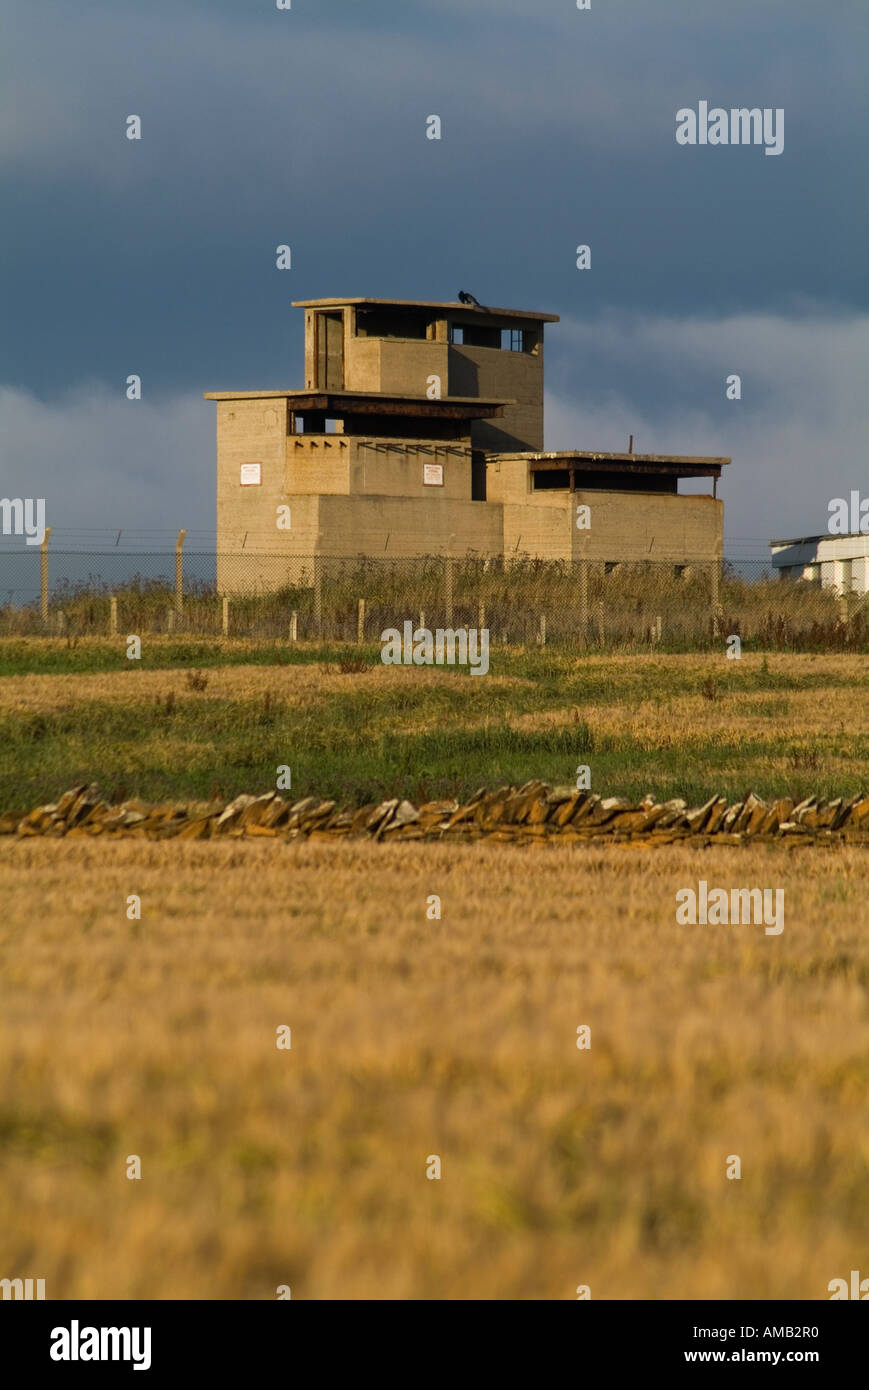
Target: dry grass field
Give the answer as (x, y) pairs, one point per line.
(673, 725)
(413, 1037)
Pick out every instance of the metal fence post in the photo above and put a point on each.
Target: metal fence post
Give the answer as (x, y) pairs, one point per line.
(113, 616)
(225, 616)
(43, 576)
(448, 589)
(294, 626)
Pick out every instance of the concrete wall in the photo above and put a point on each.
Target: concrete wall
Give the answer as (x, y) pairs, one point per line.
(509, 480)
(252, 431)
(624, 525)
(646, 526)
(317, 463)
(398, 470)
(543, 531)
(362, 364)
(335, 464)
(492, 373)
(401, 526)
(405, 364)
(270, 560)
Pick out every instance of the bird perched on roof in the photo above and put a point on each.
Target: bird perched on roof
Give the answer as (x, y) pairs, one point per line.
(465, 298)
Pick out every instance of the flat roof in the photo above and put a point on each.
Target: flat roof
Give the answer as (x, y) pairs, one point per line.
(684, 465)
(374, 403)
(563, 454)
(824, 536)
(427, 304)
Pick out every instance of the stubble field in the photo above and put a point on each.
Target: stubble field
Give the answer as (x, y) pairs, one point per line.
(414, 1037)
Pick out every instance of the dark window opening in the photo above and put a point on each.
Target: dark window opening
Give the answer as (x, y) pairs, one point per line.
(552, 478)
(478, 475)
(600, 481)
(394, 323)
(476, 335)
(484, 335)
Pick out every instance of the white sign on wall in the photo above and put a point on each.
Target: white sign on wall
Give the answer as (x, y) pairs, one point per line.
(433, 474)
(251, 474)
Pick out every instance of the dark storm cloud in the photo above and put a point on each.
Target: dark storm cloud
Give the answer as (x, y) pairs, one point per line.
(308, 127)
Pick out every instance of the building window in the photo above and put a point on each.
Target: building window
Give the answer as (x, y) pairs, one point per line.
(457, 334)
(513, 339)
(550, 478)
(398, 321)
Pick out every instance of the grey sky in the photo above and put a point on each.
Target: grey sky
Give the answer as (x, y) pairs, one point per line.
(308, 127)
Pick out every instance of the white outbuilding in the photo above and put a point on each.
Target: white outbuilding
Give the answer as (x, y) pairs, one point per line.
(834, 562)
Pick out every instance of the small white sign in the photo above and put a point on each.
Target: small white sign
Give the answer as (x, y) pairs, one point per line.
(433, 474)
(251, 474)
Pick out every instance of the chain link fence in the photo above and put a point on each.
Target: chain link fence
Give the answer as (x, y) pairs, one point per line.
(521, 601)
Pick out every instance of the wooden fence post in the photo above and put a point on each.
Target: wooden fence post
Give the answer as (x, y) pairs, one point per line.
(360, 622)
(43, 576)
(714, 595)
(179, 573)
(582, 600)
(113, 616)
(318, 596)
(224, 616)
(294, 626)
(448, 590)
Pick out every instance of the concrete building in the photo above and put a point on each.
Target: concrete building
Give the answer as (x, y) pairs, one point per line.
(834, 562)
(420, 431)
